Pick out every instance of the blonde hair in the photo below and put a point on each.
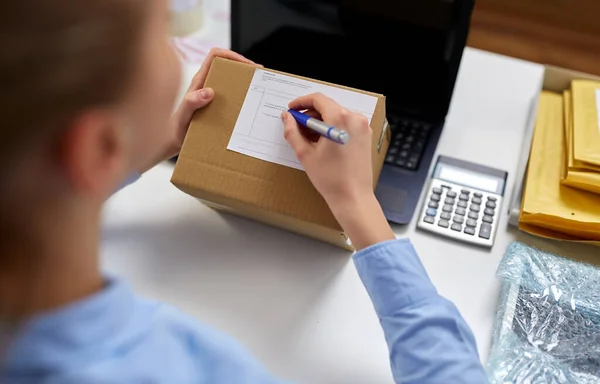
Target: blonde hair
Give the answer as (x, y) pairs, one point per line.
(58, 58)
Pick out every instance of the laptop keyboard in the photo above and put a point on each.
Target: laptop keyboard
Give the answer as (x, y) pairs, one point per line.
(409, 138)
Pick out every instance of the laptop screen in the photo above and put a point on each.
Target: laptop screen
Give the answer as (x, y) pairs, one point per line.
(405, 49)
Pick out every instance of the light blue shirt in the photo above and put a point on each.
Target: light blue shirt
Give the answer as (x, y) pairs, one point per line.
(116, 336)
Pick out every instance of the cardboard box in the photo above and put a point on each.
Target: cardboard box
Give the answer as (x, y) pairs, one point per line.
(555, 80)
(267, 192)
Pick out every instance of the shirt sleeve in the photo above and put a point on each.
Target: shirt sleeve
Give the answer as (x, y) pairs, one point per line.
(428, 340)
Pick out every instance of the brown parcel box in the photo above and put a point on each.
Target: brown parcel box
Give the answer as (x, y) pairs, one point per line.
(270, 193)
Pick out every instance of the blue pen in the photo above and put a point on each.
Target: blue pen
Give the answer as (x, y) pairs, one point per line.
(323, 129)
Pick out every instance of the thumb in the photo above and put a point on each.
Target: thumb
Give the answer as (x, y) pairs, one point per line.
(294, 137)
(190, 104)
(199, 99)
(194, 101)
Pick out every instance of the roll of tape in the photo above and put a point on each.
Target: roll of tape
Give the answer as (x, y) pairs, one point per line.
(187, 16)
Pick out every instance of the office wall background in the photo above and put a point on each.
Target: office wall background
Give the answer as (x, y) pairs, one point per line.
(565, 33)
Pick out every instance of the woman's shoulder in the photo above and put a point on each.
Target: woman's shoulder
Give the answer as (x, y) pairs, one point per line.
(118, 336)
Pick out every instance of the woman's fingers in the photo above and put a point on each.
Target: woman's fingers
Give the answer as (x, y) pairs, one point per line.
(332, 112)
(299, 143)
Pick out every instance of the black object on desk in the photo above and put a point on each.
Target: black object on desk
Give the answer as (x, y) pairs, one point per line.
(408, 50)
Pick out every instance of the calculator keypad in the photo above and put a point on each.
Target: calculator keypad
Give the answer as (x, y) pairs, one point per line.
(461, 211)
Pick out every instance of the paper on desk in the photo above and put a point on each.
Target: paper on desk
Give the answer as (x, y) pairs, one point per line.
(598, 105)
(550, 209)
(576, 174)
(586, 124)
(258, 131)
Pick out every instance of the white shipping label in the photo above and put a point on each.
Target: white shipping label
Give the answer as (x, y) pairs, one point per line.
(258, 131)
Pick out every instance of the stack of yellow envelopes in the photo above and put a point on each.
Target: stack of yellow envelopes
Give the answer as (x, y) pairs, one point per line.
(550, 208)
(582, 131)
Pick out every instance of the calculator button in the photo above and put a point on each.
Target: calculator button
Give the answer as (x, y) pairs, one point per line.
(475, 208)
(488, 219)
(465, 191)
(476, 200)
(477, 194)
(470, 230)
(461, 211)
(473, 215)
(437, 191)
(489, 212)
(471, 223)
(435, 197)
(449, 200)
(447, 208)
(462, 204)
(459, 219)
(485, 231)
(451, 194)
(492, 198)
(431, 212)
(389, 159)
(456, 227)
(429, 219)
(445, 216)
(434, 204)
(490, 204)
(401, 163)
(463, 197)
(444, 223)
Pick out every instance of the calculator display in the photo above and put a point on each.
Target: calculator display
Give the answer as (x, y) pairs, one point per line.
(469, 178)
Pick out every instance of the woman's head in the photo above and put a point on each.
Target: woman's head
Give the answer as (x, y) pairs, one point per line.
(87, 88)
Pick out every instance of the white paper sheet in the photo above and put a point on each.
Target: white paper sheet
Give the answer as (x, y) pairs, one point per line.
(258, 131)
(598, 107)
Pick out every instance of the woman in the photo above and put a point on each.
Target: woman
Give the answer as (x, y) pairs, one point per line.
(87, 94)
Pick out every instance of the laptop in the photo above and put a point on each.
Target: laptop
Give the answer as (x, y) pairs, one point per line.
(408, 50)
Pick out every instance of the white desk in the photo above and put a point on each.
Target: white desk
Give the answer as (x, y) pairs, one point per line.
(299, 304)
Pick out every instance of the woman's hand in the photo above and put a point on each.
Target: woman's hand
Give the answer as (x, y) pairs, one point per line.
(197, 96)
(343, 174)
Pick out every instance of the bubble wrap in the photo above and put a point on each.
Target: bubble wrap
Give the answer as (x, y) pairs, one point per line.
(547, 328)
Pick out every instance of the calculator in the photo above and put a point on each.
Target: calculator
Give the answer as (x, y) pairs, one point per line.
(463, 201)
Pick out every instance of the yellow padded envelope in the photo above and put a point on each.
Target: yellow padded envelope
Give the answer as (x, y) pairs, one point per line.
(576, 174)
(550, 209)
(586, 124)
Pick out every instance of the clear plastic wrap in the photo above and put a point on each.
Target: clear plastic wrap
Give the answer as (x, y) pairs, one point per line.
(547, 328)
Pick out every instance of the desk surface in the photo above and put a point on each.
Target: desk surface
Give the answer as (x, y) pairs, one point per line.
(296, 303)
